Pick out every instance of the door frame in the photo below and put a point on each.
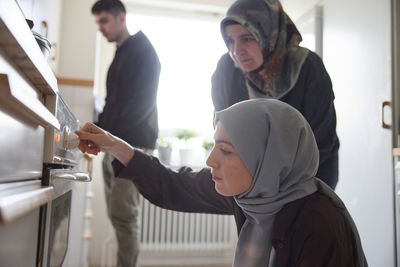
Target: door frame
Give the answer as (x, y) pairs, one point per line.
(396, 118)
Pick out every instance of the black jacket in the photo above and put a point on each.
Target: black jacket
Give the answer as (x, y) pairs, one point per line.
(130, 111)
(312, 95)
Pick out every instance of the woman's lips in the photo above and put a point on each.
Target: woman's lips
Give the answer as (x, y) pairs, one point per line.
(215, 178)
(245, 60)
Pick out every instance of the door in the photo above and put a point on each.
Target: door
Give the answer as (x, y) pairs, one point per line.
(357, 52)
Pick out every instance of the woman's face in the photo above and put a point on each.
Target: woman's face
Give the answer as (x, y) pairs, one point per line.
(243, 47)
(229, 173)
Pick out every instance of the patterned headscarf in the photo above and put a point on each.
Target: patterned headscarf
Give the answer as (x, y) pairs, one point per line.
(278, 39)
(282, 157)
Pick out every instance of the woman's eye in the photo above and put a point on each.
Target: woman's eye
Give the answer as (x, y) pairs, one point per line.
(225, 152)
(247, 39)
(229, 42)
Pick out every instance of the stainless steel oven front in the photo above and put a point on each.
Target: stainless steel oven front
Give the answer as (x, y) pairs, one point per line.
(61, 172)
(38, 165)
(23, 120)
(57, 214)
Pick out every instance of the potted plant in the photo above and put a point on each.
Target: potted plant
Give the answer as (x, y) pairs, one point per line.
(207, 144)
(164, 147)
(185, 152)
(184, 134)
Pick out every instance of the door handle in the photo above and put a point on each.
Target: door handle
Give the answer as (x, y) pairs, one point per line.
(384, 125)
(21, 198)
(70, 175)
(17, 97)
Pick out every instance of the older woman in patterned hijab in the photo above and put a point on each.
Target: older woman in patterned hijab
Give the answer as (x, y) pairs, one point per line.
(264, 44)
(266, 157)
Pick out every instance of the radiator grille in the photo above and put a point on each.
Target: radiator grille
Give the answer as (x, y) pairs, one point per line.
(170, 230)
(170, 238)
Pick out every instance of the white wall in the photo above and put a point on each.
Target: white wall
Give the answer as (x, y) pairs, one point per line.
(296, 8)
(216, 6)
(78, 40)
(104, 55)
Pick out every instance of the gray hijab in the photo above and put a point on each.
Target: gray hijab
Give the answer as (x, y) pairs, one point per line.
(278, 148)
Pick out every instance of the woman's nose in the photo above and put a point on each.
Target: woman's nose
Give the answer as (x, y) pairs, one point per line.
(211, 162)
(237, 49)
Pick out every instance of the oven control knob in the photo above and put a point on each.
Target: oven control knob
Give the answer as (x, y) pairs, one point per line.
(71, 140)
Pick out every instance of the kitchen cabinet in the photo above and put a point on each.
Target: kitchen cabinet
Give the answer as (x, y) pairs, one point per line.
(46, 15)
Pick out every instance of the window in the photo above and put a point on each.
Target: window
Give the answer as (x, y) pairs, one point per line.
(189, 50)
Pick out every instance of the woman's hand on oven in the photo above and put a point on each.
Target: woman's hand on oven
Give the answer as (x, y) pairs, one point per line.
(93, 140)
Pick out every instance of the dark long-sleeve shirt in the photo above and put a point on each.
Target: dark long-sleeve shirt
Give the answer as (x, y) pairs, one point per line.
(130, 111)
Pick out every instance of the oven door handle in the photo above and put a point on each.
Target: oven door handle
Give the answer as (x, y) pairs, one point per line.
(16, 205)
(17, 96)
(70, 175)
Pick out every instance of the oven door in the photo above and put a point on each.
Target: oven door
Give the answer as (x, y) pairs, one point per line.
(57, 216)
(20, 204)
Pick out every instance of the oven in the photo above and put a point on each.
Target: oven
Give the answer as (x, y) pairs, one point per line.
(38, 161)
(61, 172)
(23, 120)
(38, 173)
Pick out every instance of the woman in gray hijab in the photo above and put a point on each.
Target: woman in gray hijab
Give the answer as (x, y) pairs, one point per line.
(264, 162)
(266, 157)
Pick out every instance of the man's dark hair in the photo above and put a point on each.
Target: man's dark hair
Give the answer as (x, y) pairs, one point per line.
(114, 7)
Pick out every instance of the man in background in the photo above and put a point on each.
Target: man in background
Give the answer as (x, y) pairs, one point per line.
(130, 112)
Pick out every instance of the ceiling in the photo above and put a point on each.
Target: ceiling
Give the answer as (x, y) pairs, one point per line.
(216, 7)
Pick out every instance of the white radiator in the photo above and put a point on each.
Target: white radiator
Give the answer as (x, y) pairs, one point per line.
(170, 238)
(177, 238)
